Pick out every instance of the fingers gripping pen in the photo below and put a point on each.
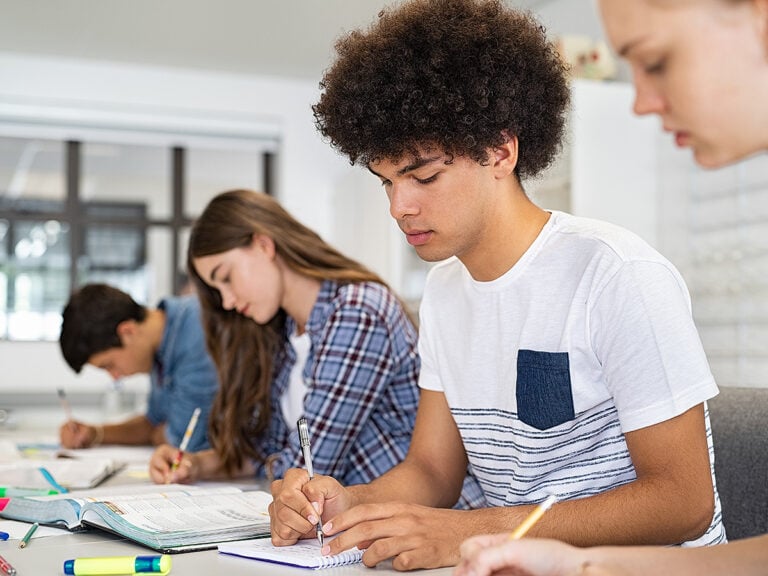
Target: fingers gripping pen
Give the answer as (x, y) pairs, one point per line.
(304, 439)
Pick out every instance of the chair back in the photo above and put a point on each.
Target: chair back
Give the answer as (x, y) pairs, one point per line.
(739, 420)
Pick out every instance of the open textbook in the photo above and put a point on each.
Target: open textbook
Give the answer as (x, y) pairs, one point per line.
(171, 518)
(305, 553)
(69, 473)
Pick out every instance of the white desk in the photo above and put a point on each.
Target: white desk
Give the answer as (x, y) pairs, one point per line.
(45, 556)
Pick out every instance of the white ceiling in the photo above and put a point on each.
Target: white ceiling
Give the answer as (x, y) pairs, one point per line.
(267, 37)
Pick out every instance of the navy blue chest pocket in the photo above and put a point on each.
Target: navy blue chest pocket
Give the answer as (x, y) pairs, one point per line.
(544, 395)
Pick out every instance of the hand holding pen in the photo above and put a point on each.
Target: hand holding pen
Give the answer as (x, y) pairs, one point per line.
(74, 434)
(305, 449)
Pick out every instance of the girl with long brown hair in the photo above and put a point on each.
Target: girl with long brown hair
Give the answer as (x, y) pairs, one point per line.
(295, 329)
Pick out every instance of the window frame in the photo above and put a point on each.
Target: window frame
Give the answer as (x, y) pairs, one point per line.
(77, 218)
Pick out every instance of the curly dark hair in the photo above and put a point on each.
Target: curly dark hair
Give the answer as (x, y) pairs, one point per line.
(457, 75)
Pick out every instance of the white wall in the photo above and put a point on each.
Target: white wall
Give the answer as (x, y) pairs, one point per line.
(714, 226)
(307, 166)
(311, 178)
(613, 157)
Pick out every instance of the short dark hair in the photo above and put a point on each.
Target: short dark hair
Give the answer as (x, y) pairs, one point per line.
(458, 75)
(90, 321)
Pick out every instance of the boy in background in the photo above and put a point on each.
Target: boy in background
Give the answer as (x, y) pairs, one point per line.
(104, 327)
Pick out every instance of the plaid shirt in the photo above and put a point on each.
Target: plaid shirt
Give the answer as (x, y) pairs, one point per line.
(362, 393)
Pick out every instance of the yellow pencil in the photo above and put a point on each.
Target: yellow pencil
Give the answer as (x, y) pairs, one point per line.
(185, 439)
(532, 518)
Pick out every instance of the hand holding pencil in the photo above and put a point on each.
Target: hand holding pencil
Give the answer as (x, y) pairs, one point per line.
(185, 440)
(507, 552)
(65, 404)
(75, 434)
(171, 477)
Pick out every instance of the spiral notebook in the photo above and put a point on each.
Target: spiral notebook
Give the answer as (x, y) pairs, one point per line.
(305, 554)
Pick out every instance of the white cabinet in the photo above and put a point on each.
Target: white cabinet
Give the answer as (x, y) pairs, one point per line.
(608, 166)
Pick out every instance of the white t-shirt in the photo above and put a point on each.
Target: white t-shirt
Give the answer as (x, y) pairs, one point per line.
(588, 336)
(292, 400)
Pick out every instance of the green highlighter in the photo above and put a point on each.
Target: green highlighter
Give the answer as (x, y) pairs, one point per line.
(10, 491)
(118, 565)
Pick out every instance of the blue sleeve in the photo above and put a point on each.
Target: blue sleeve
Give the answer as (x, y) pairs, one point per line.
(189, 381)
(157, 403)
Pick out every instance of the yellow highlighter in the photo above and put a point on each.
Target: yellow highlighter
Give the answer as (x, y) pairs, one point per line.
(118, 565)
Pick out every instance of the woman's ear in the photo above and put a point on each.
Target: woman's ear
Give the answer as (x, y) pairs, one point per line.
(265, 244)
(504, 157)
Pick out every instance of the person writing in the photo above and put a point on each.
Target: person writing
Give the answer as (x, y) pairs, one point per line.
(296, 329)
(106, 328)
(559, 355)
(711, 95)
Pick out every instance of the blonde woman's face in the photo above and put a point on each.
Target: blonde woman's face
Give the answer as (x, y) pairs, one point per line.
(701, 66)
(248, 279)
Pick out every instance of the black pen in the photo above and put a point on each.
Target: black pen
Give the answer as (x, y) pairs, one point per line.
(304, 439)
(67, 408)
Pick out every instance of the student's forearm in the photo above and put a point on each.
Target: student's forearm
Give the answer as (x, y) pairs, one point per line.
(134, 431)
(158, 435)
(434, 469)
(208, 466)
(631, 514)
(641, 512)
(410, 482)
(747, 557)
(671, 500)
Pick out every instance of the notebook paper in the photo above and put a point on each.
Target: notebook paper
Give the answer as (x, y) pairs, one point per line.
(305, 554)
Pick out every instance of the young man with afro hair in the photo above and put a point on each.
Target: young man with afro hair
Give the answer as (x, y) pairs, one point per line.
(559, 355)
